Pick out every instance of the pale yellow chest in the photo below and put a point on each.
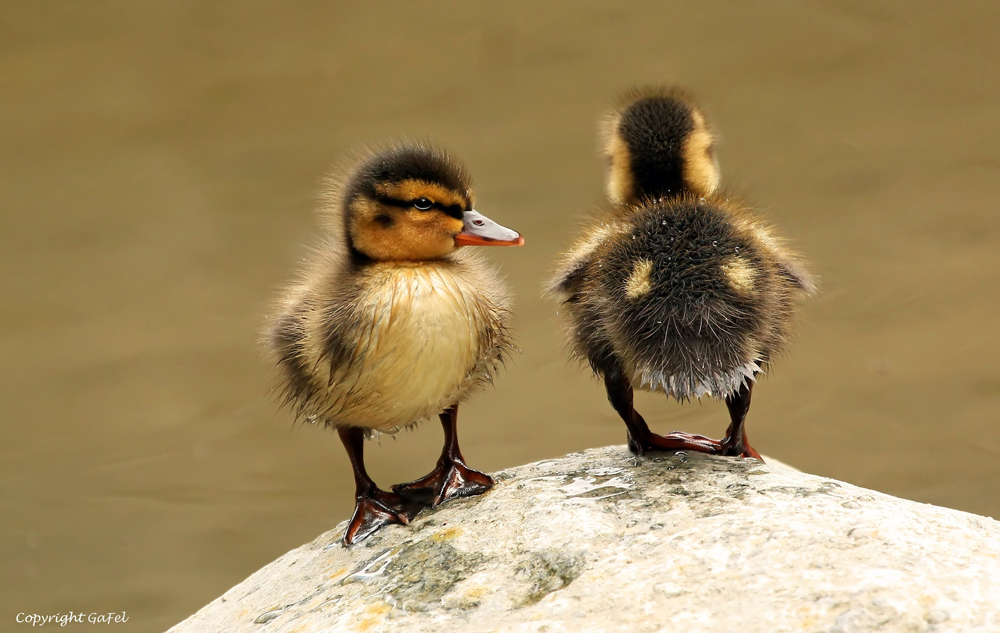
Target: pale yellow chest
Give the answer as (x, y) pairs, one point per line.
(416, 338)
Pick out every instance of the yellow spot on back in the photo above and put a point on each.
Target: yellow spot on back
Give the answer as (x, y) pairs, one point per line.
(638, 283)
(740, 275)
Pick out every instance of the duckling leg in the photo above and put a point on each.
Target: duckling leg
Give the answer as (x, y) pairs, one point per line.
(451, 478)
(374, 508)
(640, 438)
(736, 441)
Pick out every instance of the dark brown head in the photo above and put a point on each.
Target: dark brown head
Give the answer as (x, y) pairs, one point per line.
(414, 203)
(658, 144)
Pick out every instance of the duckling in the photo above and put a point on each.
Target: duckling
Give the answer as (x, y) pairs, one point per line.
(676, 287)
(392, 321)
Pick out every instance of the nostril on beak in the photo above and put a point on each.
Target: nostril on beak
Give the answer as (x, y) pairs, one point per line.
(478, 222)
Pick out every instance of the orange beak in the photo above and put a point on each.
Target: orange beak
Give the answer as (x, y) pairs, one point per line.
(479, 230)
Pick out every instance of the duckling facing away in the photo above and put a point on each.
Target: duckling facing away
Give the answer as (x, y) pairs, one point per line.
(676, 288)
(391, 322)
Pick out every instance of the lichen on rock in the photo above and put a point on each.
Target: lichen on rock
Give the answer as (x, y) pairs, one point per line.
(545, 572)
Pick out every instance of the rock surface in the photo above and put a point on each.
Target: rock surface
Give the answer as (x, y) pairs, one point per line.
(603, 541)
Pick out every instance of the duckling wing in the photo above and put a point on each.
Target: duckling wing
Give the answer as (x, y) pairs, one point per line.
(795, 271)
(572, 272)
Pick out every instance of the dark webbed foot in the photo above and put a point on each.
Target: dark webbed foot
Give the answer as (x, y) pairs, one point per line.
(449, 480)
(376, 510)
(675, 441)
(640, 438)
(731, 448)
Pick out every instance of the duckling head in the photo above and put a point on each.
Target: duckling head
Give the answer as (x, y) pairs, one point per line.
(658, 144)
(415, 203)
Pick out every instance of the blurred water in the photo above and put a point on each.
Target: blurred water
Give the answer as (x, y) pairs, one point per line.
(158, 167)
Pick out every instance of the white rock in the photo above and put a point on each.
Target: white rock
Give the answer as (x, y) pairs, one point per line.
(602, 541)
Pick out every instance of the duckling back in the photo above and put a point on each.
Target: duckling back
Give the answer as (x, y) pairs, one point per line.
(687, 295)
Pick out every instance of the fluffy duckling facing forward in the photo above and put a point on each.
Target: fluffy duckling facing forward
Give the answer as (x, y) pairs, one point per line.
(676, 288)
(392, 322)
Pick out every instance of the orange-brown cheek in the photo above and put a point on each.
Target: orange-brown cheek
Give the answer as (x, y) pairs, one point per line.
(433, 235)
(452, 227)
(411, 235)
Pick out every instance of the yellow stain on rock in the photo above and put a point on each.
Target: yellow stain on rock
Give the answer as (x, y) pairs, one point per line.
(476, 592)
(375, 614)
(339, 572)
(447, 534)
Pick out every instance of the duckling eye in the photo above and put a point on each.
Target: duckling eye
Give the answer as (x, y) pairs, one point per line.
(423, 204)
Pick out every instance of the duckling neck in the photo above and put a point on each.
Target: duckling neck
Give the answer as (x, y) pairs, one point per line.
(358, 260)
(654, 182)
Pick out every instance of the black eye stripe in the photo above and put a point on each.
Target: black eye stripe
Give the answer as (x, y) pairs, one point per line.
(393, 202)
(454, 210)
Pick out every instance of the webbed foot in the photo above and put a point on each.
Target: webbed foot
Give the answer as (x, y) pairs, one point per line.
(377, 510)
(449, 480)
(730, 448)
(675, 441)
